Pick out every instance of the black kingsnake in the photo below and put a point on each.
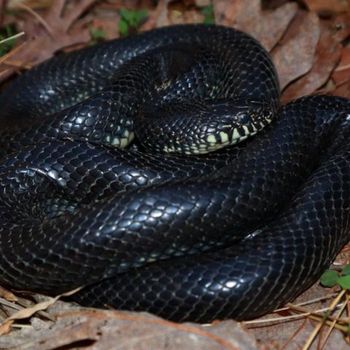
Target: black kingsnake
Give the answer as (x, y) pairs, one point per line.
(234, 233)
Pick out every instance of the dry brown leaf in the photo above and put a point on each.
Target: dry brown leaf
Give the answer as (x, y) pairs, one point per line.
(6, 294)
(292, 334)
(101, 329)
(294, 56)
(158, 17)
(108, 25)
(48, 34)
(164, 14)
(342, 73)
(2, 12)
(266, 26)
(343, 257)
(202, 3)
(327, 55)
(5, 327)
(30, 311)
(327, 7)
(185, 17)
(341, 26)
(342, 90)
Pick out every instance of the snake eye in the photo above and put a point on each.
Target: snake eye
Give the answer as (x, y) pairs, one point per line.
(97, 134)
(244, 118)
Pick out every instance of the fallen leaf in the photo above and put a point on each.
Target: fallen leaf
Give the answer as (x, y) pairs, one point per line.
(107, 25)
(341, 27)
(342, 90)
(47, 35)
(5, 327)
(327, 7)
(159, 17)
(6, 294)
(202, 3)
(185, 17)
(294, 56)
(266, 26)
(30, 311)
(327, 55)
(342, 73)
(2, 12)
(291, 333)
(102, 329)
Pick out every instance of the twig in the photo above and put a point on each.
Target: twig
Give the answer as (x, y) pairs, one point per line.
(335, 321)
(341, 68)
(11, 53)
(323, 321)
(10, 304)
(287, 318)
(18, 64)
(311, 301)
(284, 346)
(328, 322)
(327, 310)
(21, 326)
(18, 35)
(295, 307)
(347, 338)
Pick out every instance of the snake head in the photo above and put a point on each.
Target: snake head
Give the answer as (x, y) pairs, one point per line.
(193, 127)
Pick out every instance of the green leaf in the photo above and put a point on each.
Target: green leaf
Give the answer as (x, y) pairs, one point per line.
(123, 27)
(346, 270)
(329, 278)
(344, 282)
(130, 19)
(208, 13)
(141, 15)
(7, 32)
(97, 34)
(126, 14)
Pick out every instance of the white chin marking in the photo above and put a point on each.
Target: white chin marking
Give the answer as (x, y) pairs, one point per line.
(223, 137)
(115, 141)
(211, 139)
(121, 142)
(235, 136)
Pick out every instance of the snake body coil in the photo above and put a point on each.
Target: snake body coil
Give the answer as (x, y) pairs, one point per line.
(232, 233)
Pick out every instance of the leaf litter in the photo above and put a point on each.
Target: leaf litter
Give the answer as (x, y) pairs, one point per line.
(309, 43)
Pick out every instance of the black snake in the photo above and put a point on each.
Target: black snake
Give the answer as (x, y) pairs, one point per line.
(232, 233)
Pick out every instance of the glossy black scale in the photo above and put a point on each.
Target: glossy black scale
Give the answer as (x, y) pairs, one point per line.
(233, 233)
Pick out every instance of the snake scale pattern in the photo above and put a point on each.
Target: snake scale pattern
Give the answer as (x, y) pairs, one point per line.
(105, 179)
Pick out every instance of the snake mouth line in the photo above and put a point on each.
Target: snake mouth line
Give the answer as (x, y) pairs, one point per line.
(214, 142)
(119, 142)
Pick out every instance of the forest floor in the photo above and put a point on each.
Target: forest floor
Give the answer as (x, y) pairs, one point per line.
(309, 43)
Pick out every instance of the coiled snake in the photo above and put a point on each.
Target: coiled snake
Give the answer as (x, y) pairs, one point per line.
(94, 191)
